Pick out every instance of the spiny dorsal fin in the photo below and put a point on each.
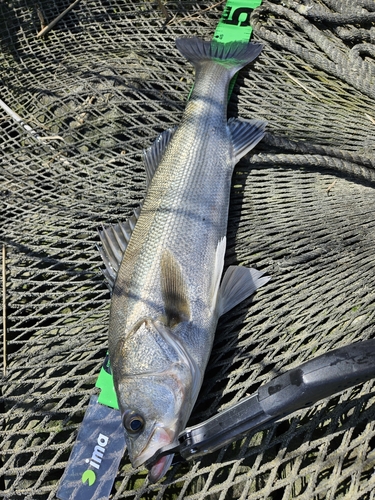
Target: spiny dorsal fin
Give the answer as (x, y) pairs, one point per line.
(238, 283)
(114, 239)
(154, 153)
(173, 289)
(245, 135)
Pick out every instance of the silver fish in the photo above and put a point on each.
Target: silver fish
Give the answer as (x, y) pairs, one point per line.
(166, 262)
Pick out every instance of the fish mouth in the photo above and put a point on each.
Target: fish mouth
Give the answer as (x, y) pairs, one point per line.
(160, 437)
(159, 468)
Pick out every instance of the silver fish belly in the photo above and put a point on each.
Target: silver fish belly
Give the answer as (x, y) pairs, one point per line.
(165, 264)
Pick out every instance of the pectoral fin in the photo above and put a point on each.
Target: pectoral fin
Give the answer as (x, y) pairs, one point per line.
(173, 289)
(245, 135)
(238, 283)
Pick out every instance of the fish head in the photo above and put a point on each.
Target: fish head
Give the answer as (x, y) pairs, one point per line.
(150, 421)
(157, 382)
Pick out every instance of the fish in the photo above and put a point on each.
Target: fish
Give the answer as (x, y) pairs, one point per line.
(165, 264)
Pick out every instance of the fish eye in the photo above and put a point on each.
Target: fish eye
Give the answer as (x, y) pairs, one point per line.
(133, 422)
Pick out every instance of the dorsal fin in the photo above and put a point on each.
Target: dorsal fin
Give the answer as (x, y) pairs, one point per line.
(115, 239)
(173, 289)
(154, 153)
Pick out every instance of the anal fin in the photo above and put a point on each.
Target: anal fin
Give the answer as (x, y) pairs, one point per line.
(245, 135)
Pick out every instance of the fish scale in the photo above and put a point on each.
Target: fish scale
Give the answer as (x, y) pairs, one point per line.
(177, 209)
(169, 291)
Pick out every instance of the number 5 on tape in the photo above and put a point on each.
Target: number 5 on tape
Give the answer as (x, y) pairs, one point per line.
(234, 24)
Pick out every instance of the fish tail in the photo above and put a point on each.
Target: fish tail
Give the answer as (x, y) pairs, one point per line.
(232, 55)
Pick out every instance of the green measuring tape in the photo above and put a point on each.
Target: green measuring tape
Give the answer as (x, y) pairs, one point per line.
(234, 25)
(107, 394)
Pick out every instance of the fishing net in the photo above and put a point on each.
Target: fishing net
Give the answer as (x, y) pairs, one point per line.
(95, 91)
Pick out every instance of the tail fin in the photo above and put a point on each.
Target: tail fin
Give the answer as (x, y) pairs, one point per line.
(232, 55)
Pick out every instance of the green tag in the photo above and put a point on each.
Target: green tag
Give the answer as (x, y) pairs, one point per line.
(234, 24)
(105, 383)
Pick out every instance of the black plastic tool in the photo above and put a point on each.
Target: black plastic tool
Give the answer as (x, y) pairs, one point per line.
(301, 387)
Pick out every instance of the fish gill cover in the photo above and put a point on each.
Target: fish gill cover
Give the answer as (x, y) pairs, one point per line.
(99, 88)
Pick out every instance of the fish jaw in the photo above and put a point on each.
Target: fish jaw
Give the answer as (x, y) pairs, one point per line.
(160, 467)
(160, 437)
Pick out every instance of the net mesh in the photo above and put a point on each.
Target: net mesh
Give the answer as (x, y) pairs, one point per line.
(99, 88)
